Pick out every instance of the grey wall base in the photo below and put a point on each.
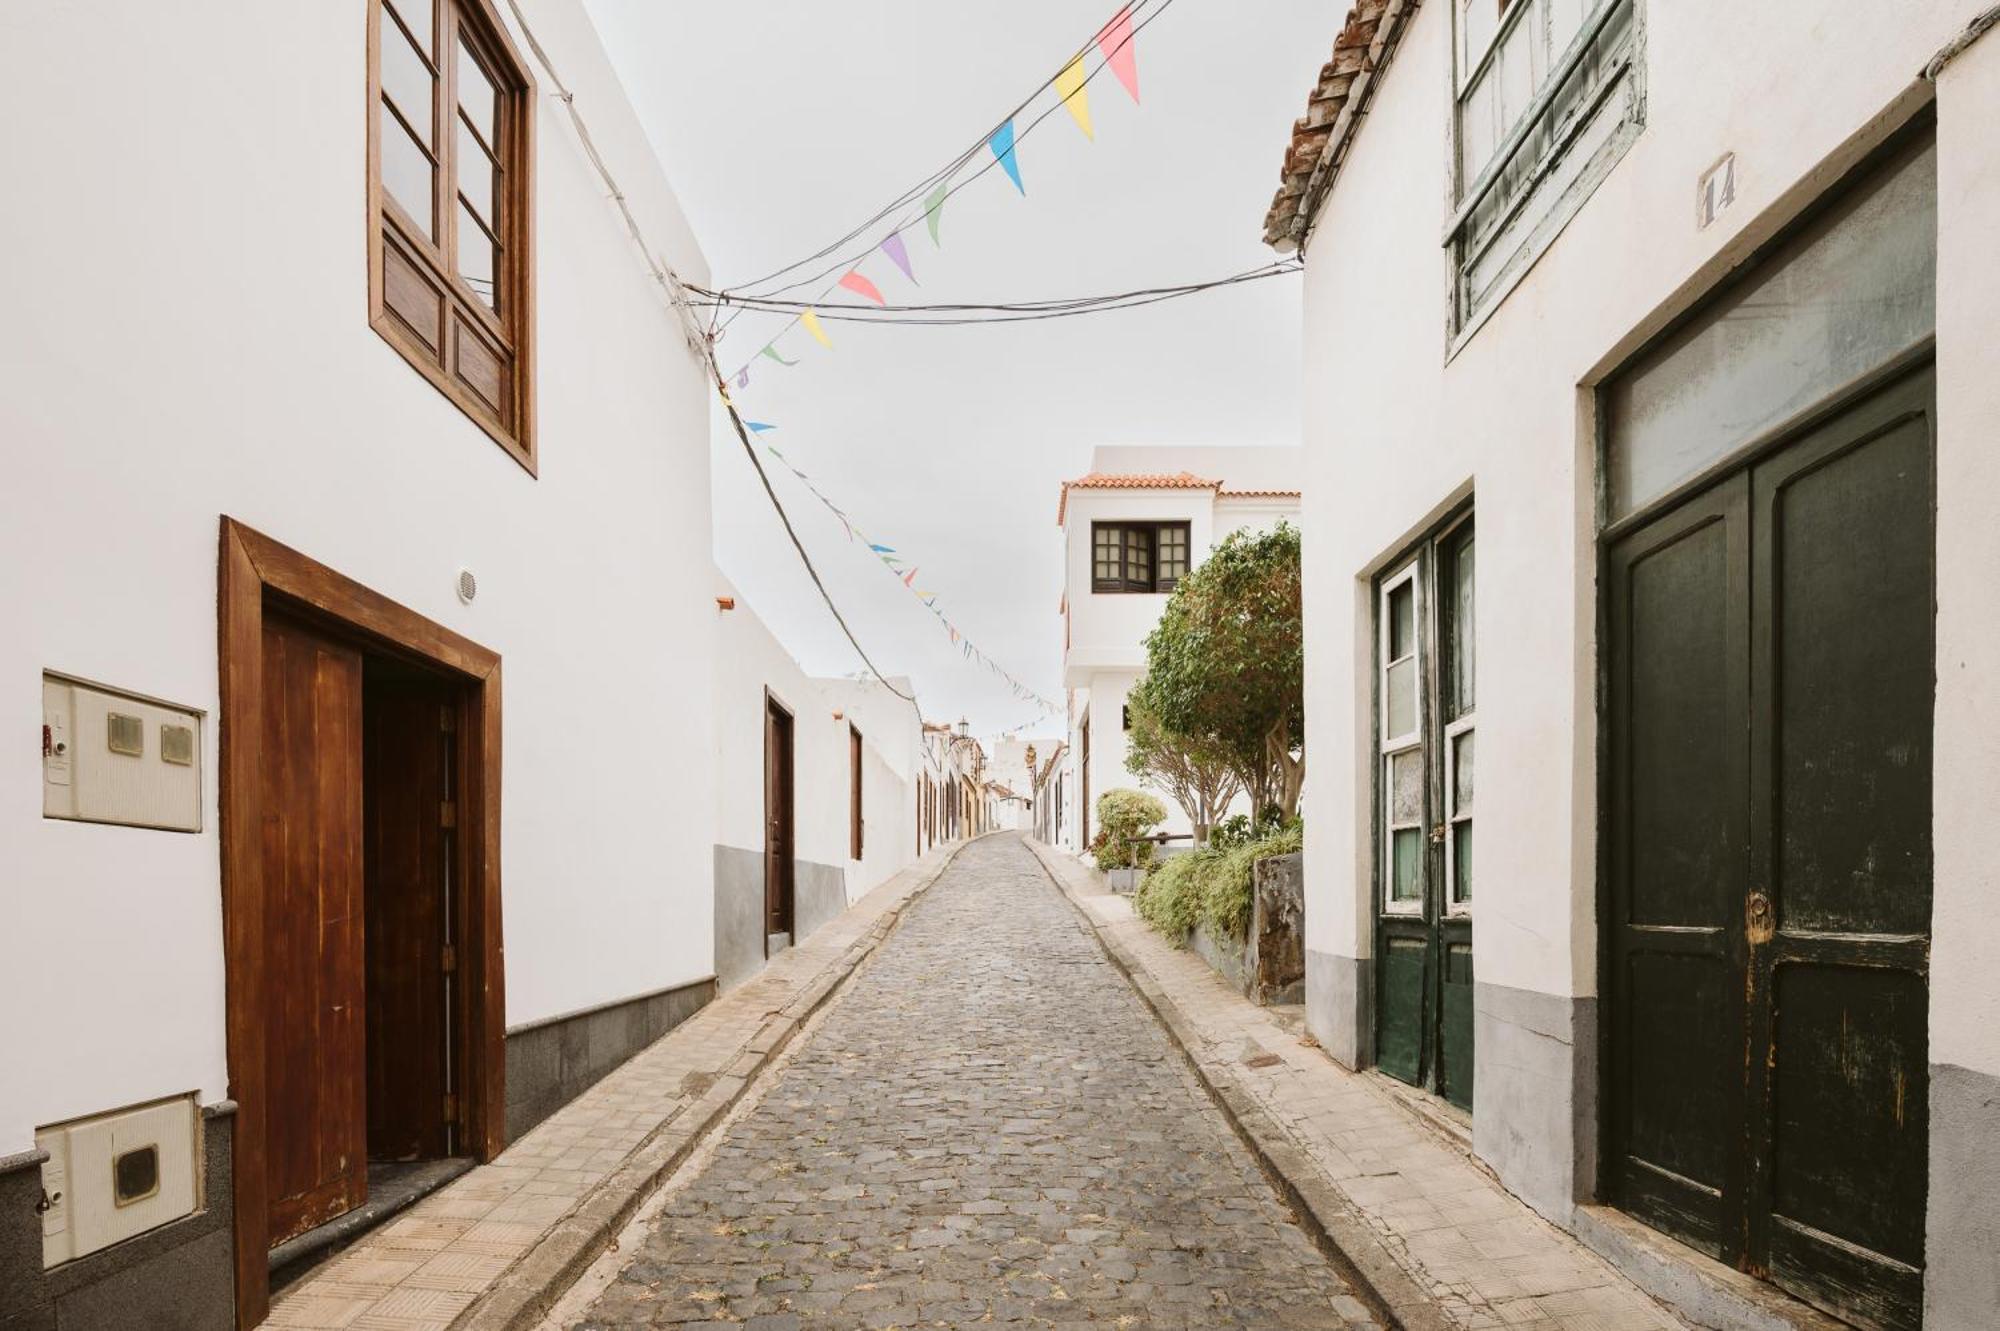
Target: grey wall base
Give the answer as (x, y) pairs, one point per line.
(1962, 1225)
(1535, 1094)
(819, 892)
(179, 1277)
(1340, 1006)
(550, 1063)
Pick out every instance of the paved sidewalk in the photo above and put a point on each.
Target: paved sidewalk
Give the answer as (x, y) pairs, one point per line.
(988, 1126)
(492, 1249)
(1441, 1241)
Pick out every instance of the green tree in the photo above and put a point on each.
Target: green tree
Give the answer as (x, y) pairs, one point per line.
(1225, 668)
(1194, 771)
(1124, 816)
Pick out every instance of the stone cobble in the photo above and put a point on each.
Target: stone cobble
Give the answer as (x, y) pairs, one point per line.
(988, 1128)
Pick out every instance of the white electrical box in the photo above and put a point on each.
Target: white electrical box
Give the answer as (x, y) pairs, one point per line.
(112, 757)
(117, 1175)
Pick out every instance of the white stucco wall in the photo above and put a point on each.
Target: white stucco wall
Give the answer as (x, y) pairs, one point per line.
(750, 662)
(187, 336)
(1395, 433)
(1965, 927)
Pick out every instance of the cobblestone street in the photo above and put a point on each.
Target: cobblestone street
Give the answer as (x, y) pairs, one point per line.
(989, 1127)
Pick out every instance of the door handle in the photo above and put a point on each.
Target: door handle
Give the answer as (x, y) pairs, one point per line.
(1760, 923)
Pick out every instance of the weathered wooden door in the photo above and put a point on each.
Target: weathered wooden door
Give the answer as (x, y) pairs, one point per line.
(778, 820)
(411, 811)
(1424, 730)
(1770, 699)
(315, 1110)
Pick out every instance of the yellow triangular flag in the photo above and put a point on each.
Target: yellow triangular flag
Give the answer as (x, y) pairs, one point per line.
(811, 321)
(1070, 87)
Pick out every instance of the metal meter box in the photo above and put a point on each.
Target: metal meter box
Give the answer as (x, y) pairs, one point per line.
(116, 1175)
(114, 757)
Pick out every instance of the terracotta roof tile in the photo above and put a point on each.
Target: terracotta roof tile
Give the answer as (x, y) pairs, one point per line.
(1103, 480)
(1333, 112)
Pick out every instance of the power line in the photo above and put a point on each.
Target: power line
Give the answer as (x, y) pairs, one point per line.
(910, 218)
(943, 315)
(910, 195)
(675, 292)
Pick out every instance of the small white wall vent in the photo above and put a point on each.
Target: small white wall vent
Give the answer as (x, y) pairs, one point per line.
(468, 586)
(110, 1177)
(114, 757)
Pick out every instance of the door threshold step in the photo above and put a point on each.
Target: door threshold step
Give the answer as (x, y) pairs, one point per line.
(1698, 1289)
(393, 1188)
(1442, 1117)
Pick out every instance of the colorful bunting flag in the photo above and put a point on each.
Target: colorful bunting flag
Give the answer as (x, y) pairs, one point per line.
(772, 352)
(862, 287)
(757, 427)
(1070, 87)
(811, 321)
(934, 210)
(899, 253)
(1119, 52)
(1002, 144)
(743, 377)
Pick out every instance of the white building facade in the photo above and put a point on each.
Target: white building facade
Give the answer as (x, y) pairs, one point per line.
(352, 447)
(1132, 527)
(1688, 309)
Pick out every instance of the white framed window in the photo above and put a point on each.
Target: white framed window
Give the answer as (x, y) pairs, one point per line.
(1547, 96)
(1400, 736)
(1425, 726)
(1457, 698)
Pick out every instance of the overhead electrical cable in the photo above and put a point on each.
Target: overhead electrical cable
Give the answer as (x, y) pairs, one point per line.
(915, 192)
(676, 293)
(909, 219)
(942, 315)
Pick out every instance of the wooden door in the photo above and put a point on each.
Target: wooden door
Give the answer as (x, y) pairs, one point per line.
(411, 811)
(778, 820)
(855, 766)
(1771, 689)
(315, 1106)
(1425, 734)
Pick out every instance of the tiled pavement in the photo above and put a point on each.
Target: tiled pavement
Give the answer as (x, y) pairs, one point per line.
(987, 1127)
(496, 1237)
(1474, 1253)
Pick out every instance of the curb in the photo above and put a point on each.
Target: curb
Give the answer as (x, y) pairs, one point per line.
(527, 1290)
(1342, 1236)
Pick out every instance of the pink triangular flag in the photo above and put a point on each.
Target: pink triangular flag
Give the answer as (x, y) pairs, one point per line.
(898, 253)
(862, 287)
(1116, 43)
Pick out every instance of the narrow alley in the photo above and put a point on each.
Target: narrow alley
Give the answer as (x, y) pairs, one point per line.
(988, 1126)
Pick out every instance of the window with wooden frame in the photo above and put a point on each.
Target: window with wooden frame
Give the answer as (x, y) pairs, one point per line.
(1548, 96)
(450, 148)
(1137, 556)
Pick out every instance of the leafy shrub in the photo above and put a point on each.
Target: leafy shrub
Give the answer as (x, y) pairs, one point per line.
(1170, 898)
(1214, 885)
(1123, 816)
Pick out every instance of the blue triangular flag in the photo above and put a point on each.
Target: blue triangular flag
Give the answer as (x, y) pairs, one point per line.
(758, 426)
(1002, 144)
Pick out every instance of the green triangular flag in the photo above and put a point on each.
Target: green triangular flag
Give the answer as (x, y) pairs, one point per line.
(934, 209)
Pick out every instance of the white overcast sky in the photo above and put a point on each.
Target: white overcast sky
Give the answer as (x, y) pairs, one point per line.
(783, 123)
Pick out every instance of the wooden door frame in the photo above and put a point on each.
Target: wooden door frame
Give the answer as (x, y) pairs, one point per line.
(774, 706)
(1421, 559)
(256, 573)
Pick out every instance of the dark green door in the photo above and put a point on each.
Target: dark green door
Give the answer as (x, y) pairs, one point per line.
(1424, 733)
(1771, 683)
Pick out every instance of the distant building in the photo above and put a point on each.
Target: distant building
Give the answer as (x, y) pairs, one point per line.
(1132, 528)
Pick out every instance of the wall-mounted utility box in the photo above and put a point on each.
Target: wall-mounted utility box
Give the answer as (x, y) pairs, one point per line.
(113, 757)
(116, 1175)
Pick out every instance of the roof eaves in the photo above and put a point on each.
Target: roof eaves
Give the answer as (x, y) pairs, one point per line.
(1320, 141)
